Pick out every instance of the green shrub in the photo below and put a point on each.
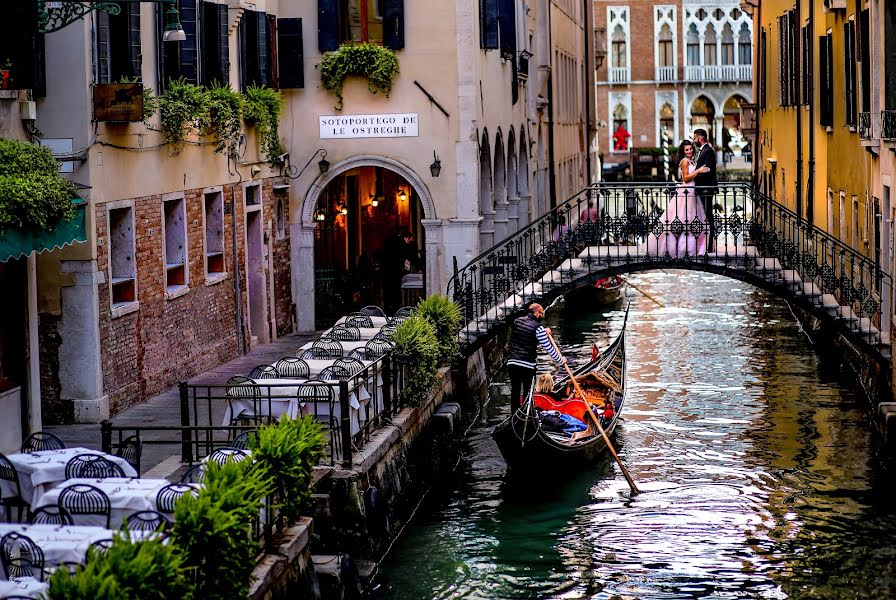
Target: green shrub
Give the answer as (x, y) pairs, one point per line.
(144, 570)
(286, 453)
(213, 531)
(263, 107)
(226, 116)
(32, 193)
(444, 315)
(415, 341)
(379, 65)
(183, 107)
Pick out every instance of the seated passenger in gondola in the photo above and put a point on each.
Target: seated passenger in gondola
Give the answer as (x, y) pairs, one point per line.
(545, 385)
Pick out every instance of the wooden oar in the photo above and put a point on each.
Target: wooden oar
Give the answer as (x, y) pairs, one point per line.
(645, 294)
(631, 482)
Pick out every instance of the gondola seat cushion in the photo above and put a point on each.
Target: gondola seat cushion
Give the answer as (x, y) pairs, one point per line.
(573, 408)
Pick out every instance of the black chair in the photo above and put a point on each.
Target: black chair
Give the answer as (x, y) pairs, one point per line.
(358, 353)
(131, 449)
(264, 372)
(290, 367)
(322, 349)
(222, 455)
(21, 557)
(101, 546)
(377, 348)
(344, 333)
(82, 499)
(170, 494)
(41, 440)
(359, 320)
(316, 391)
(352, 365)
(373, 311)
(9, 473)
(148, 520)
(195, 474)
(335, 372)
(91, 466)
(386, 332)
(240, 387)
(241, 442)
(51, 515)
(404, 312)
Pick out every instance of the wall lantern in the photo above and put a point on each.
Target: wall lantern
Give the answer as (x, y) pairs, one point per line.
(323, 163)
(320, 215)
(174, 32)
(436, 167)
(373, 200)
(53, 15)
(402, 195)
(343, 209)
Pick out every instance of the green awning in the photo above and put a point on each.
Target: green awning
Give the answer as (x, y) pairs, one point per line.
(16, 243)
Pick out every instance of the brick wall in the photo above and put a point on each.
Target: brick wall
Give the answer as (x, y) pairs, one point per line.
(169, 340)
(53, 411)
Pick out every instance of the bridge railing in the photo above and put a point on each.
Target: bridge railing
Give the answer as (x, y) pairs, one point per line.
(611, 227)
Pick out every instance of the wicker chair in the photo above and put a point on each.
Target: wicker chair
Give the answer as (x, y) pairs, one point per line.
(170, 494)
(327, 349)
(240, 387)
(241, 442)
(51, 515)
(82, 499)
(41, 440)
(373, 311)
(344, 333)
(291, 367)
(335, 372)
(92, 466)
(21, 557)
(376, 348)
(404, 312)
(315, 392)
(352, 365)
(195, 474)
(264, 372)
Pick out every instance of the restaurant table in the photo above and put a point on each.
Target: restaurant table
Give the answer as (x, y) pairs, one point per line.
(367, 333)
(126, 497)
(377, 321)
(41, 471)
(347, 347)
(60, 543)
(23, 587)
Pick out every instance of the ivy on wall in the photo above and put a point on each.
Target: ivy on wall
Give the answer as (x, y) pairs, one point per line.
(379, 65)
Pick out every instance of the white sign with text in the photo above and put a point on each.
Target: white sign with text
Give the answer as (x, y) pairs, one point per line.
(369, 126)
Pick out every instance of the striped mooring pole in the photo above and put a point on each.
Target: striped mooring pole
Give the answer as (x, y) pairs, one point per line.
(666, 153)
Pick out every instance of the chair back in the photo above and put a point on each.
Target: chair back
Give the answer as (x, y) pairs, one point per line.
(239, 386)
(8, 472)
(315, 391)
(404, 312)
(358, 353)
(195, 474)
(148, 520)
(83, 499)
(20, 556)
(170, 494)
(323, 348)
(131, 449)
(241, 441)
(51, 515)
(100, 546)
(41, 440)
(344, 333)
(291, 367)
(91, 466)
(373, 311)
(335, 372)
(222, 455)
(376, 348)
(359, 320)
(264, 372)
(352, 365)
(387, 331)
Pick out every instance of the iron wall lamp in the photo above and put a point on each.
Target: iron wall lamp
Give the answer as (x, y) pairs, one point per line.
(293, 173)
(53, 15)
(402, 195)
(436, 167)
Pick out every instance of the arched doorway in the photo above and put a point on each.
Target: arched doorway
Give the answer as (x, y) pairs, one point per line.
(500, 190)
(486, 197)
(732, 140)
(703, 116)
(368, 238)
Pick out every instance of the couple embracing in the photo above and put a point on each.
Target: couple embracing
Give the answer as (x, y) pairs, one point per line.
(692, 203)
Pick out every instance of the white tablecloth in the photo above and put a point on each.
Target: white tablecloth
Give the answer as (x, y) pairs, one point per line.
(367, 333)
(377, 321)
(44, 470)
(27, 587)
(126, 497)
(60, 543)
(347, 347)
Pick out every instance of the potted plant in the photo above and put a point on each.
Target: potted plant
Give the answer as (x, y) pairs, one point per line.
(4, 74)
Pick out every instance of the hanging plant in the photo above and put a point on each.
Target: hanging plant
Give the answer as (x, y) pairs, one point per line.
(183, 107)
(263, 106)
(225, 117)
(32, 194)
(379, 65)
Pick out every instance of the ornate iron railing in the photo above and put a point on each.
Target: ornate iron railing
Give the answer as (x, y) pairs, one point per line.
(623, 227)
(888, 124)
(865, 125)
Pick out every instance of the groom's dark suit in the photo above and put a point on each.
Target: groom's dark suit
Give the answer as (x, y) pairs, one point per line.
(707, 188)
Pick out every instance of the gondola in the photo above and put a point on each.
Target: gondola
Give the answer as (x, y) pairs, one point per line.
(525, 444)
(602, 293)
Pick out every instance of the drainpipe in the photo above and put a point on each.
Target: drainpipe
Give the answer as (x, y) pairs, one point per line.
(810, 183)
(799, 140)
(552, 172)
(757, 101)
(587, 85)
(237, 305)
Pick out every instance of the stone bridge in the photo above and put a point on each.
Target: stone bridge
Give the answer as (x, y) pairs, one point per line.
(623, 228)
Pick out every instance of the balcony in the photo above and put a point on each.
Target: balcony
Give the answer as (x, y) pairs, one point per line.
(619, 75)
(665, 74)
(865, 125)
(718, 73)
(888, 125)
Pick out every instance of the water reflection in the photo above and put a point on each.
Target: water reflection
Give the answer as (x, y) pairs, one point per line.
(755, 464)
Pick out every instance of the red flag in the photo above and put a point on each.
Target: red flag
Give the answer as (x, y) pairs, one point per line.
(594, 352)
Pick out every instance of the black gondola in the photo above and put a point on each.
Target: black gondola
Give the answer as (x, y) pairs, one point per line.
(523, 441)
(600, 294)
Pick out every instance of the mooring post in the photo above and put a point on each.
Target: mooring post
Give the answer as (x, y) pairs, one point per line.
(106, 436)
(186, 452)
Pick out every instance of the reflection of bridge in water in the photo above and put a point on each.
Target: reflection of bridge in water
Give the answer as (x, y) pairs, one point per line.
(622, 228)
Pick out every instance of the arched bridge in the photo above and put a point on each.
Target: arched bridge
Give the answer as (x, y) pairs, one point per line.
(613, 228)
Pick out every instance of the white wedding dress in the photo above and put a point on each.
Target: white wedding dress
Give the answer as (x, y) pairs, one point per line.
(684, 224)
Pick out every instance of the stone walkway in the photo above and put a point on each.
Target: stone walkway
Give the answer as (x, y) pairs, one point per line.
(164, 410)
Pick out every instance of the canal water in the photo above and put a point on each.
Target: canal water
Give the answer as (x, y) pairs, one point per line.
(755, 458)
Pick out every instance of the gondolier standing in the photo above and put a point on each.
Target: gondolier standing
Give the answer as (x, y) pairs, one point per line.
(525, 335)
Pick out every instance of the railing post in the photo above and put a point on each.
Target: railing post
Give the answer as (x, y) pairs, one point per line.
(106, 436)
(387, 386)
(345, 421)
(186, 453)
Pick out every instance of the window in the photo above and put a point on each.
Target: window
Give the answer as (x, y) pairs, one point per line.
(709, 46)
(744, 46)
(666, 55)
(807, 67)
(667, 123)
(290, 54)
(788, 59)
(849, 64)
(618, 48)
(214, 233)
(118, 53)
(727, 45)
(856, 231)
(122, 261)
(215, 47)
(621, 134)
(826, 81)
(23, 47)
(693, 46)
(763, 67)
(253, 195)
(175, 250)
(256, 50)
(377, 21)
(180, 59)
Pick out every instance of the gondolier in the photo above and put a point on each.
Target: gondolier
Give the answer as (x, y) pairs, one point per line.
(525, 335)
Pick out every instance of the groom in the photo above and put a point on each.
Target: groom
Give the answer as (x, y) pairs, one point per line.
(707, 183)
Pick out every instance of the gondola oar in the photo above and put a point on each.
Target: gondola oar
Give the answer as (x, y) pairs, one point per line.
(643, 293)
(631, 482)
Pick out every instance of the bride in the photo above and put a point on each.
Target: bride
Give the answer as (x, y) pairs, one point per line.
(687, 208)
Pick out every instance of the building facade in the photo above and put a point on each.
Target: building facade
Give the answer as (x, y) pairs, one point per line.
(672, 67)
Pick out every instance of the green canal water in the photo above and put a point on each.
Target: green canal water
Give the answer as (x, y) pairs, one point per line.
(755, 458)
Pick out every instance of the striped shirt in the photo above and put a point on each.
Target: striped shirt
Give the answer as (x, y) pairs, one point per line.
(542, 335)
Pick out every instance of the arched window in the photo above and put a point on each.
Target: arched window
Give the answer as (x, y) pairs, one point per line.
(744, 46)
(666, 55)
(621, 132)
(710, 56)
(486, 200)
(618, 47)
(693, 46)
(667, 121)
(727, 45)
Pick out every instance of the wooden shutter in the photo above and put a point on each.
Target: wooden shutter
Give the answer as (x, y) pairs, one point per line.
(103, 48)
(290, 54)
(393, 24)
(249, 55)
(327, 25)
(825, 58)
(849, 62)
(865, 58)
(262, 49)
(135, 51)
(507, 26)
(215, 45)
(488, 23)
(189, 49)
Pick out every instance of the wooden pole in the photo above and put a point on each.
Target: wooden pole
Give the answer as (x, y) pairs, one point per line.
(628, 478)
(643, 293)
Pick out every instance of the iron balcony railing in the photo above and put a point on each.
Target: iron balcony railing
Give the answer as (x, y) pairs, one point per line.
(622, 227)
(864, 125)
(888, 125)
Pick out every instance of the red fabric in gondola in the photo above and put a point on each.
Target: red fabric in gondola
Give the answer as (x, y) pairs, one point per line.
(573, 408)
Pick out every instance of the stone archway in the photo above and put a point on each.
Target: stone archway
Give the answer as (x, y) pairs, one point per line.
(302, 253)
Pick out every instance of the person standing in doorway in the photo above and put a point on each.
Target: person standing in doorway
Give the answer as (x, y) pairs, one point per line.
(707, 183)
(525, 335)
